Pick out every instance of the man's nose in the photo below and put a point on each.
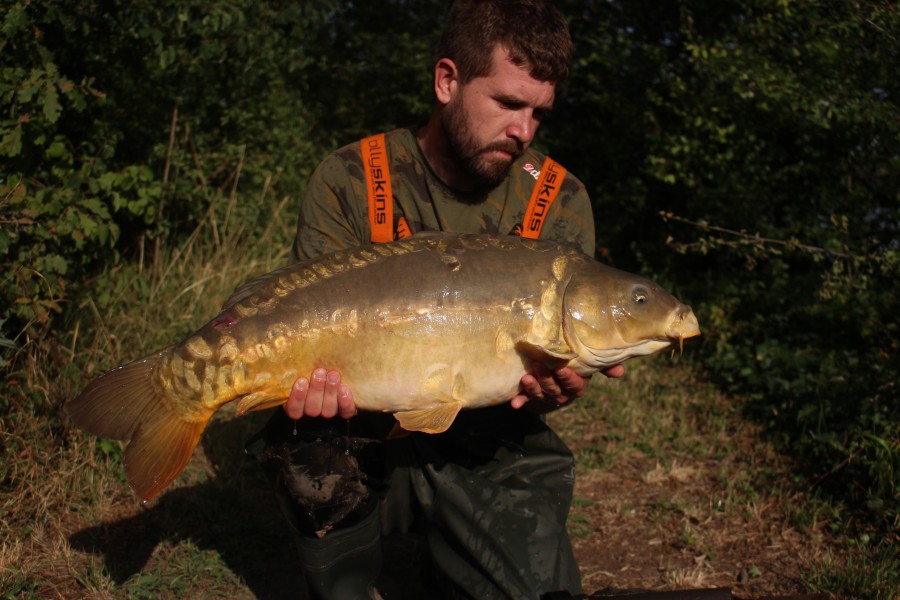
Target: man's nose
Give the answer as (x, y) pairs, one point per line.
(523, 126)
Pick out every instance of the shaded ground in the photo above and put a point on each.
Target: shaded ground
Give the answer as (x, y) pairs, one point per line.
(640, 526)
(677, 492)
(644, 526)
(668, 496)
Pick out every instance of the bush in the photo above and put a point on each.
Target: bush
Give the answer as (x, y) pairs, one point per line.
(126, 124)
(123, 123)
(810, 341)
(772, 128)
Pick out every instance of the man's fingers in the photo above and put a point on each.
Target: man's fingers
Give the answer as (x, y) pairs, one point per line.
(549, 387)
(546, 380)
(614, 371)
(573, 385)
(531, 387)
(316, 395)
(345, 404)
(322, 395)
(329, 395)
(296, 401)
(519, 401)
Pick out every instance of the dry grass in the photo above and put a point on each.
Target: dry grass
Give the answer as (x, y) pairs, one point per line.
(680, 491)
(675, 488)
(56, 481)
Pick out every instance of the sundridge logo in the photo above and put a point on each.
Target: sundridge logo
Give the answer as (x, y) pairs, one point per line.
(530, 168)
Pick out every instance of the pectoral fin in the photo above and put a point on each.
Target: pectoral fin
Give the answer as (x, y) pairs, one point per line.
(552, 356)
(429, 420)
(260, 401)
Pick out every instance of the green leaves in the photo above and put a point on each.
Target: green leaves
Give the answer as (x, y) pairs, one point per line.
(94, 162)
(767, 134)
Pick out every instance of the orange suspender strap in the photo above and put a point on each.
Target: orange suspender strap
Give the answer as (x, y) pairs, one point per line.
(378, 189)
(545, 191)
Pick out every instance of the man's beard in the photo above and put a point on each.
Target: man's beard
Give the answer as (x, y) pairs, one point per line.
(469, 157)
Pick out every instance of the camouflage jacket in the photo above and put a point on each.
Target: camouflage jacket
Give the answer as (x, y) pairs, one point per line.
(334, 209)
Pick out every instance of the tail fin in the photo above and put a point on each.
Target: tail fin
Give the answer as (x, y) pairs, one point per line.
(127, 404)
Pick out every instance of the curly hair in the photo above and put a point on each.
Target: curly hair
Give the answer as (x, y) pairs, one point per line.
(534, 32)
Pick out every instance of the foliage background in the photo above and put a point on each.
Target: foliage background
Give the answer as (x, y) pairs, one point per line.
(744, 153)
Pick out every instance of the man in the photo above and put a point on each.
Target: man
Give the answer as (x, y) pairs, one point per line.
(491, 495)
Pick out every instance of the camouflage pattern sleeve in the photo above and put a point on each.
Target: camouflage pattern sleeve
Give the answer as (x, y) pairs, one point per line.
(571, 217)
(332, 211)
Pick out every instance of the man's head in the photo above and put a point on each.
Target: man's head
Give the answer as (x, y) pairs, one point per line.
(496, 72)
(534, 33)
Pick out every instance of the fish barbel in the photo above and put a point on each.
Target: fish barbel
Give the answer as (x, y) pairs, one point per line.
(421, 328)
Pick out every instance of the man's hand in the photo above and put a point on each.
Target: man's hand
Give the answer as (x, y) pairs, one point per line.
(322, 395)
(545, 390)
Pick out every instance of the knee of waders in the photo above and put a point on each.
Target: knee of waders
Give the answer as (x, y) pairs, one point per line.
(345, 563)
(319, 478)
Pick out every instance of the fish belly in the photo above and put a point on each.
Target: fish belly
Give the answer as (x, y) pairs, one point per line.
(431, 325)
(410, 361)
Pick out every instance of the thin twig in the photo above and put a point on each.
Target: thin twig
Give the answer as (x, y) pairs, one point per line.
(169, 150)
(755, 238)
(165, 181)
(232, 200)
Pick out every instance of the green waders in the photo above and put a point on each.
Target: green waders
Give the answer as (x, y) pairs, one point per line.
(490, 495)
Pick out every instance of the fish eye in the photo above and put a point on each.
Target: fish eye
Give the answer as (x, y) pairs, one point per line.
(640, 295)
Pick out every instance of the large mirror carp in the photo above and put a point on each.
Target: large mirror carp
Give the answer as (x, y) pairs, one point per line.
(422, 328)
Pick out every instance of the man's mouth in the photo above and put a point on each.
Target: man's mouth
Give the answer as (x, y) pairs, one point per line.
(506, 153)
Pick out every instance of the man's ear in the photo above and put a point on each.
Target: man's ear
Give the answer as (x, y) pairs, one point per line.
(446, 80)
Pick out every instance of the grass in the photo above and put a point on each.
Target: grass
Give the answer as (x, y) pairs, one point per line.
(664, 460)
(865, 568)
(69, 524)
(670, 470)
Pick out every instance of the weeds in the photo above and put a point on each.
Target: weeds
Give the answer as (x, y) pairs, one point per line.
(702, 495)
(72, 527)
(57, 480)
(865, 571)
(709, 502)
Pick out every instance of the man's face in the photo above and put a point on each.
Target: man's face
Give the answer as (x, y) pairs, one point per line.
(491, 120)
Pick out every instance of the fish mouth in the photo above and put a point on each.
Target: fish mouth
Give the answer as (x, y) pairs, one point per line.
(684, 326)
(606, 357)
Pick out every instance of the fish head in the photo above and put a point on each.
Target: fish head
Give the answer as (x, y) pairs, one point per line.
(610, 316)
